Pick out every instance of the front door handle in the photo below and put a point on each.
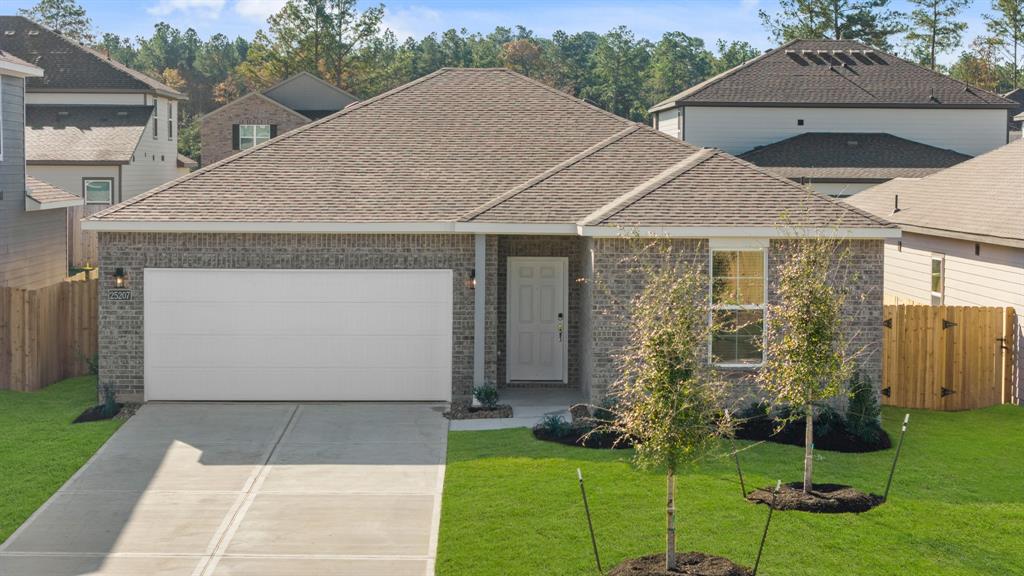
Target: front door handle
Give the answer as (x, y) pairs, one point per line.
(561, 325)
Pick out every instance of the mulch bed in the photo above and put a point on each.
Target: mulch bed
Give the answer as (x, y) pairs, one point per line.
(465, 411)
(98, 412)
(693, 563)
(823, 498)
(836, 440)
(577, 437)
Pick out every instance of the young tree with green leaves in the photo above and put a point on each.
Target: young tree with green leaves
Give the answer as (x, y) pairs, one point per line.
(870, 21)
(668, 400)
(64, 16)
(933, 28)
(807, 359)
(1006, 26)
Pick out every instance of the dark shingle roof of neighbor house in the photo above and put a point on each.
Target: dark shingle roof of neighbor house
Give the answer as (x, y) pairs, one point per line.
(832, 73)
(851, 156)
(46, 193)
(57, 134)
(982, 197)
(70, 65)
(6, 56)
(468, 145)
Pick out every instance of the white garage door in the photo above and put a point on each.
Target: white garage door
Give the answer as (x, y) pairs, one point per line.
(298, 334)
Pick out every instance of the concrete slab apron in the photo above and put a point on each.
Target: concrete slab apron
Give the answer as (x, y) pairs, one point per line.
(254, 489)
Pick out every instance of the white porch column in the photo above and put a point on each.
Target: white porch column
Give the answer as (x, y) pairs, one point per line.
(479, 307)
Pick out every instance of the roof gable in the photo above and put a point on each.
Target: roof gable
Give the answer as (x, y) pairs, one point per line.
(304, 91)
(832, 73)
(71, 65)
(473, 146)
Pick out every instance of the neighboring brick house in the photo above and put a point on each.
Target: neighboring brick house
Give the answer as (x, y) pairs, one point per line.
(904, 118)
(404, 250)
(260, 116)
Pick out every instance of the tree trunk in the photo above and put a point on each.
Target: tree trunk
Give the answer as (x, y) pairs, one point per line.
(670, 514)
(809, 450)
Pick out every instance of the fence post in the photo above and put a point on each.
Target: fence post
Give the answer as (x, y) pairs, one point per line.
(1009, 355)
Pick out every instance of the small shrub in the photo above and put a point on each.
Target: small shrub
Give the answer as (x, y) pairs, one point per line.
(863, 414)
(827, 421)
(554, 425)
(486, 395)
(109, 401)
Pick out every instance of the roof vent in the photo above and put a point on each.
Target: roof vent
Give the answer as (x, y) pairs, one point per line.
(122, 112)
(896, 203)
(852, 143)
(8, 32)
(33, 32)
(62, 113)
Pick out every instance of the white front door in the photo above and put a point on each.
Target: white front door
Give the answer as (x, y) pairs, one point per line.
(538, 319)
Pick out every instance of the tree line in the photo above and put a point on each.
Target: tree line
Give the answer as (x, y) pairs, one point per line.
(617, 70)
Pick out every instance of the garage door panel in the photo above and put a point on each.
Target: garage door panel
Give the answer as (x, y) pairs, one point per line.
(247, 317)
(402, 351)
(298, 334)
(298, 384)
(192, 285)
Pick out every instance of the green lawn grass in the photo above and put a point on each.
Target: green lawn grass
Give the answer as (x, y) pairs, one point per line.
(40, 448)
(512, 504)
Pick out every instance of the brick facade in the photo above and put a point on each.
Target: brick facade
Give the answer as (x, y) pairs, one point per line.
(121, 322)
(215, 130)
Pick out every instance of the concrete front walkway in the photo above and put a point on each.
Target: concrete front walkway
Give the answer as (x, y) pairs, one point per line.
(253, 489)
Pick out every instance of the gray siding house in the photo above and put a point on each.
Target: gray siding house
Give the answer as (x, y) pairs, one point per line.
(403, 250)
(33, 232)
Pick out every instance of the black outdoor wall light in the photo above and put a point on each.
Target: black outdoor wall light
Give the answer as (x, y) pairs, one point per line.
(472, 279)
(119, 278)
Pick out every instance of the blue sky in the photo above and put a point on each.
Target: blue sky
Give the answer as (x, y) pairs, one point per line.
(707, 19)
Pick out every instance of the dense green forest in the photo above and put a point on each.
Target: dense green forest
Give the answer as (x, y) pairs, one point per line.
(615, 70)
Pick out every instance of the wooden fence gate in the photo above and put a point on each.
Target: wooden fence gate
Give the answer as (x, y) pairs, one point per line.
(47, 334)
(947, 357)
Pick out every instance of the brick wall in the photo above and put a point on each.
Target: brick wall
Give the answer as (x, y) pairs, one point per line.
(614, 284)
(121, 322)
(215, 130)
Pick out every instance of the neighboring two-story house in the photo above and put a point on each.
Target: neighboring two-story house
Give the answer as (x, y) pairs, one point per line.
(95, 127)
(259, 116)
(33, 230)
(837, 115)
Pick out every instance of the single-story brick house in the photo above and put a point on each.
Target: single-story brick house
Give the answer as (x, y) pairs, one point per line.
(446, 233)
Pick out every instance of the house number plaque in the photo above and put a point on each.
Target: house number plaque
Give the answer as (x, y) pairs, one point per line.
(119, 294)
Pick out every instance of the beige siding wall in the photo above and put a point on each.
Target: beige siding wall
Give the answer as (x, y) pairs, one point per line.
(69, 178)
(156, 159)
(670, 122)
(995, 277)
(738, 129)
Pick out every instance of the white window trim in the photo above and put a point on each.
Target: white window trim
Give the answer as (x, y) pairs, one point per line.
(738, 245)
(2, 118)
(85, 196)
(170, 120)
(254, 142)
(941, 294)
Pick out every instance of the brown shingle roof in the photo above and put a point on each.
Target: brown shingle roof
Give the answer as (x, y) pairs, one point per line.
(833, 73)
(46, 193)
(479, 145)
(70, 64)
(58, 134)
(851, 156)
(983, 196)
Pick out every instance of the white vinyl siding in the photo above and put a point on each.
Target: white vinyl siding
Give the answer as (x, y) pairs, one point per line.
(155, 162)
(237, 334)
(995, 277)
(736, 129)
(670, 122)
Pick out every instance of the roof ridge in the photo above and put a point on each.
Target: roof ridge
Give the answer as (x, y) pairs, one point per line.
(259, 94)
(648, 186)
(702, 85)
(810, 191)
(563, 165)
(287, 135)
(117, 65)
(565, 95)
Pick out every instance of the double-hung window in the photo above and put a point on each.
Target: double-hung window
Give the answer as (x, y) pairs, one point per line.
(250, 135)
(938, 278)
(738, 296)
(170, 120)
(98, 190)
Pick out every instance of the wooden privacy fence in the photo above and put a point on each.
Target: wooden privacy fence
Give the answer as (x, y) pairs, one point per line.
(948, 357)
(47, 334)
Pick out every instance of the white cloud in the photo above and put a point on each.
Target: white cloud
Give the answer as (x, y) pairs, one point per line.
(258, 9)
(204, 9)
(415, 21)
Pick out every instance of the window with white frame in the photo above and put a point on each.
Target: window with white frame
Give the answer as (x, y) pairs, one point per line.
(738, 296)
(98, 190)
(170, 120)
(250, 135)
(156, 119)
(938, 280)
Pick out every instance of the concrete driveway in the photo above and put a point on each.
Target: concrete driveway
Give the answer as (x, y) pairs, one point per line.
(253, 489)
